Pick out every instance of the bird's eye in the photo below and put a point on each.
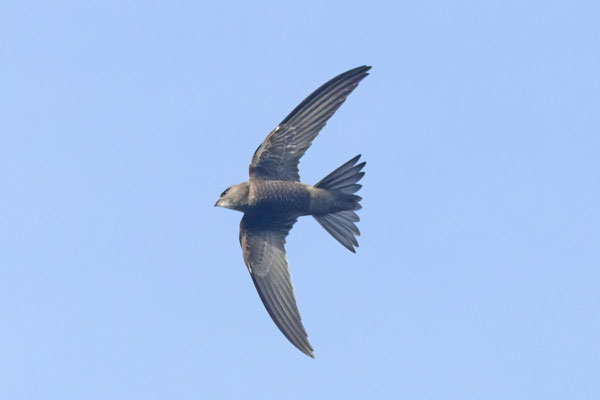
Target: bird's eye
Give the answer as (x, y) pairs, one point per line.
(225, 192)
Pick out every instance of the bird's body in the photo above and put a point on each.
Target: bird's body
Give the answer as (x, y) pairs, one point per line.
(280, 198)
(274, 198)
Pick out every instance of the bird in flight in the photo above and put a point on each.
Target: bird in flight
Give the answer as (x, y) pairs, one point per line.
(274, 198)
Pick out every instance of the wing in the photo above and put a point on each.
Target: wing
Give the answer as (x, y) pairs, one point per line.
(278, 156)
(262, 242)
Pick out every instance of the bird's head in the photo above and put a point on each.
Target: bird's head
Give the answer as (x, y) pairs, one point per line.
(234, 197)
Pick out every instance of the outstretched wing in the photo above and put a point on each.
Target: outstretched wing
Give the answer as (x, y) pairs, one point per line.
(278, 156)
(262, 242)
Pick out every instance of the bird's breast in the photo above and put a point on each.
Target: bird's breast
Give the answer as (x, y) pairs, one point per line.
(280, 197)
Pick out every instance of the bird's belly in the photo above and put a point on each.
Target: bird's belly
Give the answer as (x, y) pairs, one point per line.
(281, 197)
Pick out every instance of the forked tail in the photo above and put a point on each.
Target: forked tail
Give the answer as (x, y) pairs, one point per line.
(341, 225)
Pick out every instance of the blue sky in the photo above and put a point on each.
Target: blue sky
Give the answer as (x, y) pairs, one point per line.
(478, 272)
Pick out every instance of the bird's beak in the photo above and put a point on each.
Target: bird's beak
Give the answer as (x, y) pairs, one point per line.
(217, 203)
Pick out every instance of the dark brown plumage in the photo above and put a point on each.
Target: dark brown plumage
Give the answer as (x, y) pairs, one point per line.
(274, 198)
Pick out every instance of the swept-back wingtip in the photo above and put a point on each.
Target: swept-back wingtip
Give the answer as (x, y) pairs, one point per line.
(362, 68)
(310, 353)
(305, 347)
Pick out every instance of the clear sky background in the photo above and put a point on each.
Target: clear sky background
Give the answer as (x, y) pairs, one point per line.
(478, 272)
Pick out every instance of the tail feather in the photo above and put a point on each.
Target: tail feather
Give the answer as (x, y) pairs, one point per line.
(342, 231)
(341, 225)
(344, 178)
